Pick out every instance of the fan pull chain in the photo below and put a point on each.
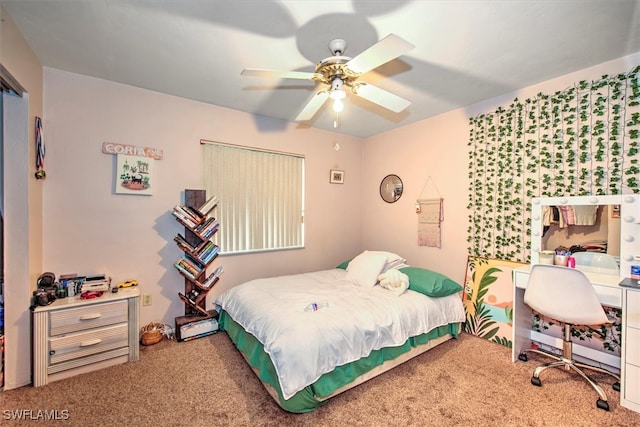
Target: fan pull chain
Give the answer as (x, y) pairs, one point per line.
(335, 122)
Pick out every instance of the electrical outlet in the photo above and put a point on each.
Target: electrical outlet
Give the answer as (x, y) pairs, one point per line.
(146, 299)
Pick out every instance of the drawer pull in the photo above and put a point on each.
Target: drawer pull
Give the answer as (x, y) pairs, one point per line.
(90, 342)
(90, 316)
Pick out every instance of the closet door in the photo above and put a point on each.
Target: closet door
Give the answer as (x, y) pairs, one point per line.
(16, 171)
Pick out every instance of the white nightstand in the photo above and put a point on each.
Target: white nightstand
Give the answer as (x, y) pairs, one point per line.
(72, 336)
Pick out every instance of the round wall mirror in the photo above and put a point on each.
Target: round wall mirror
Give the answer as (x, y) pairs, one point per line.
(391, 188)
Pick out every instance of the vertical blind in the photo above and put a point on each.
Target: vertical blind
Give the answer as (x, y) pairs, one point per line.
(260, 197)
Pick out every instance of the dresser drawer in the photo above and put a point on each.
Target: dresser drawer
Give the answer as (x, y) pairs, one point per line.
(608, 295)
(632, 345)
(632, 311)
(82, 344)
(632, 384)
(87, 317)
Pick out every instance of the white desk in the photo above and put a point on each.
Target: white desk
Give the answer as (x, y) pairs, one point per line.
(610, 294)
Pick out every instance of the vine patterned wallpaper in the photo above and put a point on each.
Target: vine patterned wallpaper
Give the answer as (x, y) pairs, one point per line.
(583, 140)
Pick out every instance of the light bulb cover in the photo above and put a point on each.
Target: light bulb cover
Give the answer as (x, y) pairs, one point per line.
(338, 105)
(337, 94)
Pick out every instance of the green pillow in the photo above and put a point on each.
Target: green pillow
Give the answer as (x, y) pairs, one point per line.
(429, 282)
(344, 265)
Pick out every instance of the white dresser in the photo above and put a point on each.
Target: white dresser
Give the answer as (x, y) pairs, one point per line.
(630, 360)
(73, 336)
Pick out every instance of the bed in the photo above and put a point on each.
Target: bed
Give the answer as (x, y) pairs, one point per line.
(361, 326)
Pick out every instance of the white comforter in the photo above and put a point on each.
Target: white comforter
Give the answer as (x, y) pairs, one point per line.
(304, 345)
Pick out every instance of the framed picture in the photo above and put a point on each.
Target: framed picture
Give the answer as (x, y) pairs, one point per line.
(336, 176)
(134, 175)
(488, 299)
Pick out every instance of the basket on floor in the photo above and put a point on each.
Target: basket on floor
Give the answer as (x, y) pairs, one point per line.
(152, 333)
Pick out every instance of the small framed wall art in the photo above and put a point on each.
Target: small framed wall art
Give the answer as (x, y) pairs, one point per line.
(336, 176)
(134, 175)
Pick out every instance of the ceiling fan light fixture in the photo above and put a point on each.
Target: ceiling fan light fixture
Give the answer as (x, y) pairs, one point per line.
(338, 71)
(338, 105)
(337, 94)
(336, 90)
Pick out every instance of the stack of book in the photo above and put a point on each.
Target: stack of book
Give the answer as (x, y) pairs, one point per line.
(186, 246)
(189, 266)
(203, 253)
(207, 227)
(208, 253)
(188, 215)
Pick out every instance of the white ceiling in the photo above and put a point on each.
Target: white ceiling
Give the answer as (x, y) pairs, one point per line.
(466, 51)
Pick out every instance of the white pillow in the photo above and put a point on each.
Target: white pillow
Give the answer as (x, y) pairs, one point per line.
(394, 265)
(393, 260)
(364, 269)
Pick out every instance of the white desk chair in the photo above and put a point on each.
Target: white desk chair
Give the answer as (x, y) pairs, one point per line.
(566, 295)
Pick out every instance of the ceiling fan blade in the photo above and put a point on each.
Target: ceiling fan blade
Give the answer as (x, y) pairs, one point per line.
(380, 53)
(280, 74)
(381, 97)
(313, 105)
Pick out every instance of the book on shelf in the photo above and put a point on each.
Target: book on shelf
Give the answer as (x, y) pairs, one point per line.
(184, 217)
(210, 231)
(212, 278)
(205, 225)
(188, 214)
(204, 334)
(193, 264)
(184, 245)
(183, 270)
(203, 249)
(208, 205)
(210, 254)
(206, 249)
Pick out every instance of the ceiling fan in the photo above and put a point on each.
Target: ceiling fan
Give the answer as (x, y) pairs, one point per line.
(340, 71)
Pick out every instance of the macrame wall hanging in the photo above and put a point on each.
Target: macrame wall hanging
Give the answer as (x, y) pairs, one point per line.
(430, 216)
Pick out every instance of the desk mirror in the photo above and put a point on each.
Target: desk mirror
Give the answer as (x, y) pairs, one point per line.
(606, 227)
(391, 188)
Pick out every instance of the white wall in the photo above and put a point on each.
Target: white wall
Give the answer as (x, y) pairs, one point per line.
(437, 147)
(90, 229)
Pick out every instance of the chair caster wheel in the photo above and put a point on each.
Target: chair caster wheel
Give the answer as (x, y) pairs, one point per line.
(536, 382)
(616, 386)
(602, 404)
(523, 357)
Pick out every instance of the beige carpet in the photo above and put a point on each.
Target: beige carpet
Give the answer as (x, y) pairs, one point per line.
(206, 382)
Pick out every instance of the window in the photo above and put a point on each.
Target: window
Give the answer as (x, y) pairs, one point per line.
(261, 197)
